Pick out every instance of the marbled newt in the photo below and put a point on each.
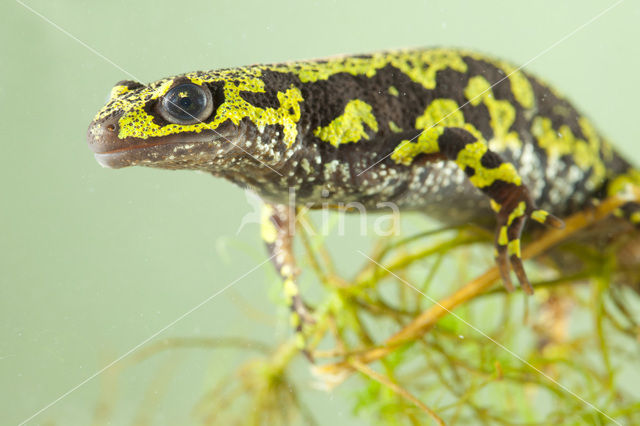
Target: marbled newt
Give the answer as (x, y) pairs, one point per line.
(455, 134)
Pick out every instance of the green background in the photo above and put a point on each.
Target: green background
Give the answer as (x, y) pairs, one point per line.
(93, 261)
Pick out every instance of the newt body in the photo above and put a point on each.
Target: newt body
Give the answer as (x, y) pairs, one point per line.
(455, 134)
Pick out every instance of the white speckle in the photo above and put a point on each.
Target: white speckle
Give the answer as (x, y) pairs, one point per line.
(306, 166)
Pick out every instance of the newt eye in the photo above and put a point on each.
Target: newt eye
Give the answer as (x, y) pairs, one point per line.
(186, 103)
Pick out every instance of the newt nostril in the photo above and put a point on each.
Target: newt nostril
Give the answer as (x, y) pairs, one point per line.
(102, 135)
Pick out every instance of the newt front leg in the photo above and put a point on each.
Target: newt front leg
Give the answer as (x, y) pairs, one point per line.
(496, 178)
(277, 230)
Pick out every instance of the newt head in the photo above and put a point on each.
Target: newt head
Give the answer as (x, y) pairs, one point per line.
(173, 123)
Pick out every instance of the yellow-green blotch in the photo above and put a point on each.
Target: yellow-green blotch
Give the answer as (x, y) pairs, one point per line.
(268, 230)
(420, 66)
(290, 290)
(520, 85)
(539, 216)
(349, 127)
(514, 247)
(439, 114)
(562, 141)
(502, 113)
(443, 113)
(470, 156)
(503, 240)
(517, 212)
(622, 183)
(394, 127)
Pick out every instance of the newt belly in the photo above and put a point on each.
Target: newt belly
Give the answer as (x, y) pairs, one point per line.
(455, 134)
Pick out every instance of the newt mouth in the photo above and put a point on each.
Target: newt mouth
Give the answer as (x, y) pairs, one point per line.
(165, 154)
(112, 161)
(134, 154)
(169, 151)
(173, 151)
(132, 148)
(124, 157)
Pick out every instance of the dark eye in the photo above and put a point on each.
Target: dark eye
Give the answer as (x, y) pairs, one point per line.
(186, 103)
